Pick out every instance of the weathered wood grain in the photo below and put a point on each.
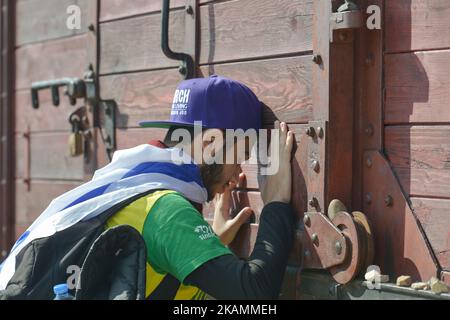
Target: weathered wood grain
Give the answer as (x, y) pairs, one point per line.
(269, 28)
(30, 204)
(421, 147)
(47, 117)
(140, 43)
(248, 29)
(115, 9)
(38, 21)
(434, 217)
(49, 157)
(51, 60)
(417, 25)
(417, 87)
(283, 85)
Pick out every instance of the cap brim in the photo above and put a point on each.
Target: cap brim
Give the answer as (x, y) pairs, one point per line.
(165, 124)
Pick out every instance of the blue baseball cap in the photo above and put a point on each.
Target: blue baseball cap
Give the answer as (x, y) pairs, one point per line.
(218, 102)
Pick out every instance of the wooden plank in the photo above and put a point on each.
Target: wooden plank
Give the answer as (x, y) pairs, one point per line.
(420, 157)
(47, 117)
(119, 9)
(248, 29)
(31, 203)
(419, 147)
(45, 20)
(417, 25)
(50, 158)
(434, 217)
(51, 60)
(140, 43)
(283, 85)
(417, 87)
(269, 29)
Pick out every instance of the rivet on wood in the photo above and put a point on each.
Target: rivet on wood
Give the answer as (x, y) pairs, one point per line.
(189, 9)
(317, 59)
(369, 162)
(314, 238)
(369, 130)
(320, 132)
(306, 220)
(389, 201)
(338, 247)
(91, 27)
(369, 198)
(310, 131)
(315, 165)
(313, 202)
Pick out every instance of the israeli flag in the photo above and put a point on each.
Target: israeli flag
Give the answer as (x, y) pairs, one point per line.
(131, 172)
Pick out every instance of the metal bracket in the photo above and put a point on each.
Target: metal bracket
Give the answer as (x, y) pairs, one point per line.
(86, 88)
(317, 135)
(347, 17)
(107, 115)
(324, 245)
(187, 67)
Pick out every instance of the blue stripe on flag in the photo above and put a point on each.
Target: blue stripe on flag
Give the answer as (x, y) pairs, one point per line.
(184, 172)
(89, 195)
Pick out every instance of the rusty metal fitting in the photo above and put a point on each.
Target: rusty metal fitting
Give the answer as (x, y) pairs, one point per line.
(317, 59)
(389, 201)
(306, 220)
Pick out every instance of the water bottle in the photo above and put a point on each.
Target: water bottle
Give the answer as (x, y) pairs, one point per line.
(62, 292)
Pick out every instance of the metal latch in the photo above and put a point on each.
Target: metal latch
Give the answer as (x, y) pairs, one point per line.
(348, 16)
(104, 112)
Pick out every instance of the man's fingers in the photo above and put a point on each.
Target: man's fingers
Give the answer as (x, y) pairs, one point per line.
(243, 215)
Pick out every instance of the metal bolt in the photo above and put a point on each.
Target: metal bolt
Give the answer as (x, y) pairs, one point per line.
(307, 253)
(189, 10)
(319, 132)
(343, 36)
(388, 201)
(369, 59)
(369, 162)
(315, 165)
(369, 198)
(91, 27)
(182, 70)
(314, 238)
(369, 130)
(306, 220)
(317, 59)
(310, 131)
(338, 247)
(313, 202)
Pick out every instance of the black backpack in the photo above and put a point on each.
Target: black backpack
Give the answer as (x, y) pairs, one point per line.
(112, 262)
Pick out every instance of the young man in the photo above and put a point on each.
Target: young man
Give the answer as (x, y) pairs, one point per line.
(186, 259)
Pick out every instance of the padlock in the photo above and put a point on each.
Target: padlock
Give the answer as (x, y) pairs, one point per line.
(76, 144)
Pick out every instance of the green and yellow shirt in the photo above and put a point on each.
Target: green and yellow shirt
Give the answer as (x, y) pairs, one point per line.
(178, 239)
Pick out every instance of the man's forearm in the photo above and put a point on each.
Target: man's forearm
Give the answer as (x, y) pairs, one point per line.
(261, 275)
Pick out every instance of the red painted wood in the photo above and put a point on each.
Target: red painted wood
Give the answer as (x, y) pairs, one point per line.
(417, 87)
(434, 217)
(39, 21)
(51, 60)
(417, 25)
(47, 117)
(283, 85)
(268, 29)
(50, 158)
(419, 155)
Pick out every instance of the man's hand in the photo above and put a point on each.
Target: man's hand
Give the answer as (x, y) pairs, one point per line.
(225, 227)
(277, 187)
